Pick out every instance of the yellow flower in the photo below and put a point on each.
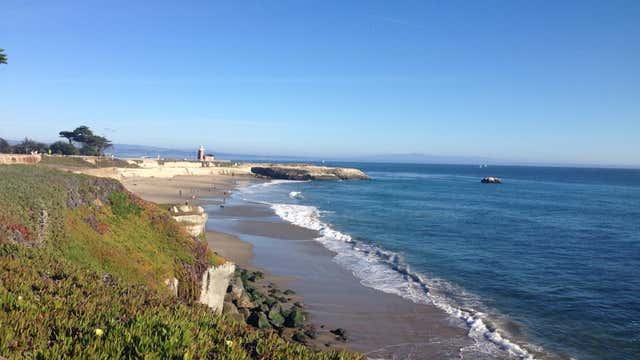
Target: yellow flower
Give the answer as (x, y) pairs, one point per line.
(229, 343)
(99, 332)
(19, 297)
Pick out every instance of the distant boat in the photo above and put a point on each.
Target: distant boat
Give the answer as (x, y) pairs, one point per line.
(491, 180)
(483, 166)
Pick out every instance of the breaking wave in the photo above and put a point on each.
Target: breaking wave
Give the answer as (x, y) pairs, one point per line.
(388, 272)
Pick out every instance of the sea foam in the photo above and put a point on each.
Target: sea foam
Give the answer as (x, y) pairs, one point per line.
(295, 194)
(388, 272)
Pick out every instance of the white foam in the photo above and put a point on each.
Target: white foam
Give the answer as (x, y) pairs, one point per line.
(388, 272)
(279, 182)
(295, 194)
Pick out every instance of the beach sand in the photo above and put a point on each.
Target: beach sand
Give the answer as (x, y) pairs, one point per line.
(251, 235)
(212, 189)
(378, 324)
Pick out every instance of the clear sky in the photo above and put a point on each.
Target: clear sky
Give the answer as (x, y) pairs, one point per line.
(551, 81)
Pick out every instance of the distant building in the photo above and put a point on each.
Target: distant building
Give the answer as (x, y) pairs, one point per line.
(201, 153)
(209, 157)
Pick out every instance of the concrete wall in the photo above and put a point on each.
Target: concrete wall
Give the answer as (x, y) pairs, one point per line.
(167, 172)
(19, 159)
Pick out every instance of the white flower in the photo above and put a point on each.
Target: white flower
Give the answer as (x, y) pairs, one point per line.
(229, 343)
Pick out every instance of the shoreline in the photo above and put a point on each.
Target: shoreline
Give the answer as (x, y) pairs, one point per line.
(200, 190)
(254, 236)
(378, 324)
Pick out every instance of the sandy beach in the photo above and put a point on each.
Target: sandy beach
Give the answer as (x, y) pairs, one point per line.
(378, 324)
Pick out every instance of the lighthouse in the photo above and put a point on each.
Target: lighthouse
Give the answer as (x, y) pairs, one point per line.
(201, 153)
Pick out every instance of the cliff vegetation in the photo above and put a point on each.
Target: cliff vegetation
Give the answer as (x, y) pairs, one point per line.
(82, 270)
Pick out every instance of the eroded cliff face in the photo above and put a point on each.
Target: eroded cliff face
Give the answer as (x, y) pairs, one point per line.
(193, 218)
(19, 159)
(214, 285)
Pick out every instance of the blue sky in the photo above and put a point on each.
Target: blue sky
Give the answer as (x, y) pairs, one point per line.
(544, 81)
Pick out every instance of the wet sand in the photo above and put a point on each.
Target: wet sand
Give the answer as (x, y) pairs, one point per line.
(378, 324)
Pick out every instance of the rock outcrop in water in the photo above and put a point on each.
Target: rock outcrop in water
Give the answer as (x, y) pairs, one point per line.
(308, 172)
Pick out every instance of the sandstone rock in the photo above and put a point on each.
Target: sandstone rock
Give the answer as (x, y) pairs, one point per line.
(193, 223)
(229, 308)
(245, 313)
(172, 284)
(215, 281)
(236, 289)
(308, 172)
(245, 302)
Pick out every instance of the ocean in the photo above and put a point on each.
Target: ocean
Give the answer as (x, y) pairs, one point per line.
(544, 265)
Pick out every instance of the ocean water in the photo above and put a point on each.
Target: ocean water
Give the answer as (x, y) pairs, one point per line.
(544, 265)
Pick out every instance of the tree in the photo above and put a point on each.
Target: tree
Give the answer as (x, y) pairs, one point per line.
(69, 135)
(5, 147)
(82, 134)
(28, 145)
(99, 143)
(92, 144)
(3, 57)
(63, 148)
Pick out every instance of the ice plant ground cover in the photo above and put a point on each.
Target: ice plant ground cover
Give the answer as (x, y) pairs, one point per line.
(82, 263)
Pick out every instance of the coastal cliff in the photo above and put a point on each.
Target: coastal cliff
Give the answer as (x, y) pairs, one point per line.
(84, 260)
(308, 172)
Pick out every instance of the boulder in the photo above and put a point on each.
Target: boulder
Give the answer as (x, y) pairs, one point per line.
(231, 311)
(295, 318)
(245, 302)
(236, 289)
(340, 333)
(228, 308)
(245, 313)
(299, 336)
(258, 320)
(276, 318)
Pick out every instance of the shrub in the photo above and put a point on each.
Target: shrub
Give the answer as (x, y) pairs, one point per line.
(4, 146)
(63, 148)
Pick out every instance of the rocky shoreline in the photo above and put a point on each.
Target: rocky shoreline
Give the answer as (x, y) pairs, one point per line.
(253, 299)
(306, 172)
(251, 296)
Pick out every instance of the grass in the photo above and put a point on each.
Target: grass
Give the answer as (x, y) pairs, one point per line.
(95, 222)
(82, 267)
